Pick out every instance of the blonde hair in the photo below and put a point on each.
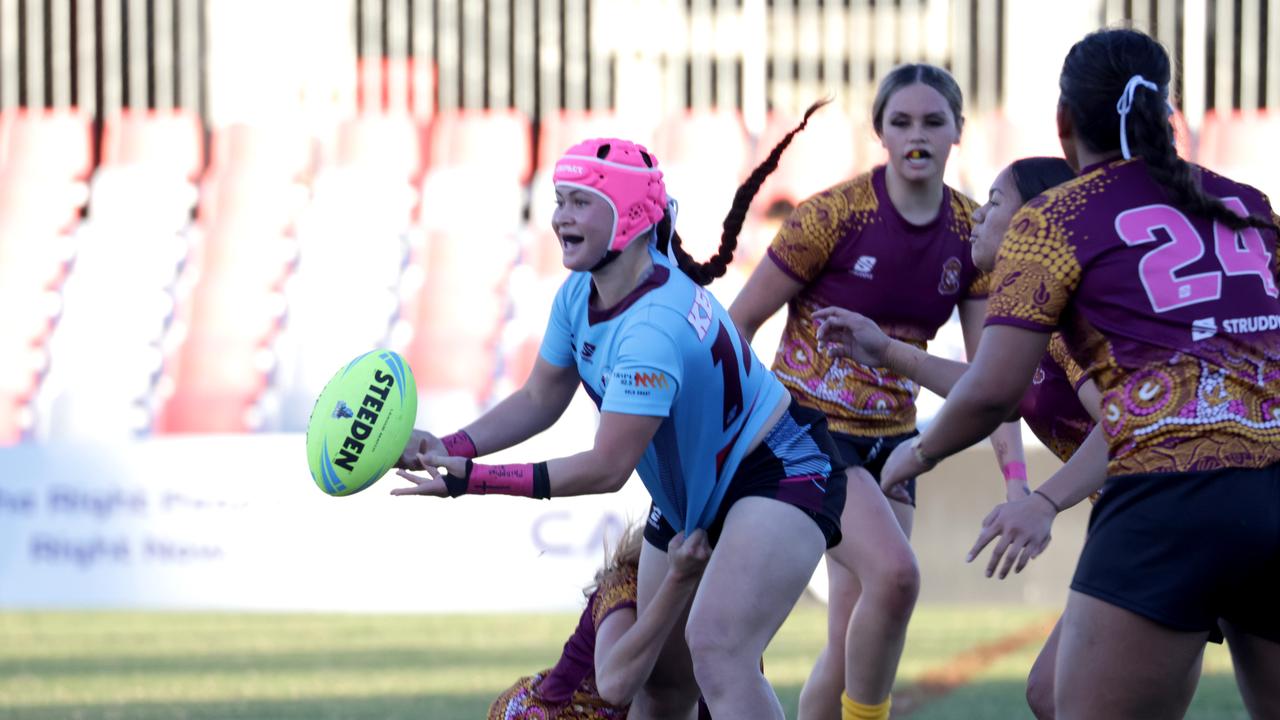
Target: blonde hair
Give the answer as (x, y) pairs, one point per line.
(625, 557)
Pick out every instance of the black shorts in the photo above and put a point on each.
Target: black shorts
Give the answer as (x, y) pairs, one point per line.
(777, 469)
(1184, 549)
(872, 452)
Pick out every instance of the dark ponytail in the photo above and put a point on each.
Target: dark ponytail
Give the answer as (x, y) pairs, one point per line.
(704, 273)
(1094, 76)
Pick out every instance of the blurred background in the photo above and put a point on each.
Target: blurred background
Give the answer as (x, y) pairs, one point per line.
(207, 206)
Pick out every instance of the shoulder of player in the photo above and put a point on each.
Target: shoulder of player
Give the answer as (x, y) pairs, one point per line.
(576, 285)
(1223, 186)
(962, 205)
(838, 202)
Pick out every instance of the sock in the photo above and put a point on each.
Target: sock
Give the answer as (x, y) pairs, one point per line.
(853, 710)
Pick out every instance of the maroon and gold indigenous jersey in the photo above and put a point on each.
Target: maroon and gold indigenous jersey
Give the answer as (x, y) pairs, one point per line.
(568, 690)
(1175, 318)
(1051, 407)
(851, 248)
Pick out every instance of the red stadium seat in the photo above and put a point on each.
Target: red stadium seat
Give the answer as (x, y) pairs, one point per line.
(823, 154)
(559, 130)
(457, 315)
(1234, 143)
(498, 141)
(53, 143)
(703, 136)
(385, 142)
(704, 157)
(170, 141)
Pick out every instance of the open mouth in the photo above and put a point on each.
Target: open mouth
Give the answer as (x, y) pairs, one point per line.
(919, 154)
(572, 239)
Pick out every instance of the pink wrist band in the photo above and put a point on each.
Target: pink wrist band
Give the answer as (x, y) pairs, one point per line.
(502, 480)
(1014, 471)
(526, 480)
(459, 444)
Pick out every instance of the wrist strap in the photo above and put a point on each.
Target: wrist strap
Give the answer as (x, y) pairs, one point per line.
(521, 480)
(459, 444)
(1048, 499)
(1014, 471)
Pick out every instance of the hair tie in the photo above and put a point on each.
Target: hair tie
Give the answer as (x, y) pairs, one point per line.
(1125, 103)
(673, 208)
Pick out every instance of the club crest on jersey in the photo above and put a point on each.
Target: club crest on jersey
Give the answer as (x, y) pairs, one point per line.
(863, 267)
(950, 282)
(588, 350)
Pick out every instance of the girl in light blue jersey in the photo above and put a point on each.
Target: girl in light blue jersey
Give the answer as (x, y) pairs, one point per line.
(684, 402)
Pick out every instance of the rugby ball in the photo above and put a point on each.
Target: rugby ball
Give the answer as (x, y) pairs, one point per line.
(361, 422)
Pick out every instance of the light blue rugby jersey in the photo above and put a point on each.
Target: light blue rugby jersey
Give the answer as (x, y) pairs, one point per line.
(669, 350)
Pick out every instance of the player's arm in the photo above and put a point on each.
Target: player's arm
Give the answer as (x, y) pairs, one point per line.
(620, 442)
(845, 333)
(627, 647)
(982, 400)
(766, 291)
(525, 413)
(1023, 526)
(1006, 440)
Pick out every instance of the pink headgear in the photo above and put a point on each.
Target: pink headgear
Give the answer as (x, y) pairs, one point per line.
(624, 174)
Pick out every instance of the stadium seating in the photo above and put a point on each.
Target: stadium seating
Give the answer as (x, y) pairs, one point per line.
(704, 155)
(820, 156)
(44, 158)
(1234, 143)
(233, 311)
(353, 240)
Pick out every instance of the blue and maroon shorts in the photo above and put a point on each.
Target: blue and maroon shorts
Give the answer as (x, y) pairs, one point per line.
(797, 463)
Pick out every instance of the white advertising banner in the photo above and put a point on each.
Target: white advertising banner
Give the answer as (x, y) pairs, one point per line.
(236, 523)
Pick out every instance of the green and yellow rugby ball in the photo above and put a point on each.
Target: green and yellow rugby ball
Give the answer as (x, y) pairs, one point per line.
(361, 422)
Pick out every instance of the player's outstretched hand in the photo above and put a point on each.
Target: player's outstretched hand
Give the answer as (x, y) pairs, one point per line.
(900, 467)
(433, 485)
(420, 443)
(1023, 528)
(430, 485)
(847, 334)
(689, 556)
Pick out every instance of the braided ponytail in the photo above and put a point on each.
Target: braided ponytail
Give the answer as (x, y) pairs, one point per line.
(704, 273)
(1152, 139)
(1093, 73)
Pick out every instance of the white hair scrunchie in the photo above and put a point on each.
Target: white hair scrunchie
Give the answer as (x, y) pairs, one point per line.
(673, 208)
(1125, 103)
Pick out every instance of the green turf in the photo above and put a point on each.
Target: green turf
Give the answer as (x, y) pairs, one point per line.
(144, 666)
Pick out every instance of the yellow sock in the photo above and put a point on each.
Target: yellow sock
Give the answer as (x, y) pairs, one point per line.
(853, 710)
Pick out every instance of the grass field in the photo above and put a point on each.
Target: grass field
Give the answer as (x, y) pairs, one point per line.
(148, 666)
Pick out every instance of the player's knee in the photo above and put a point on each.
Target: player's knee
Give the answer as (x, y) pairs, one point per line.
(714, 656)
(897, 587)
(1040, 694)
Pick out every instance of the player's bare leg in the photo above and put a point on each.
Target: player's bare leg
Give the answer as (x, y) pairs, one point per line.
(761, 565)
(1115, 664)
(1257, 668)
(1040, 679)
(875, 551)
(820, 696)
